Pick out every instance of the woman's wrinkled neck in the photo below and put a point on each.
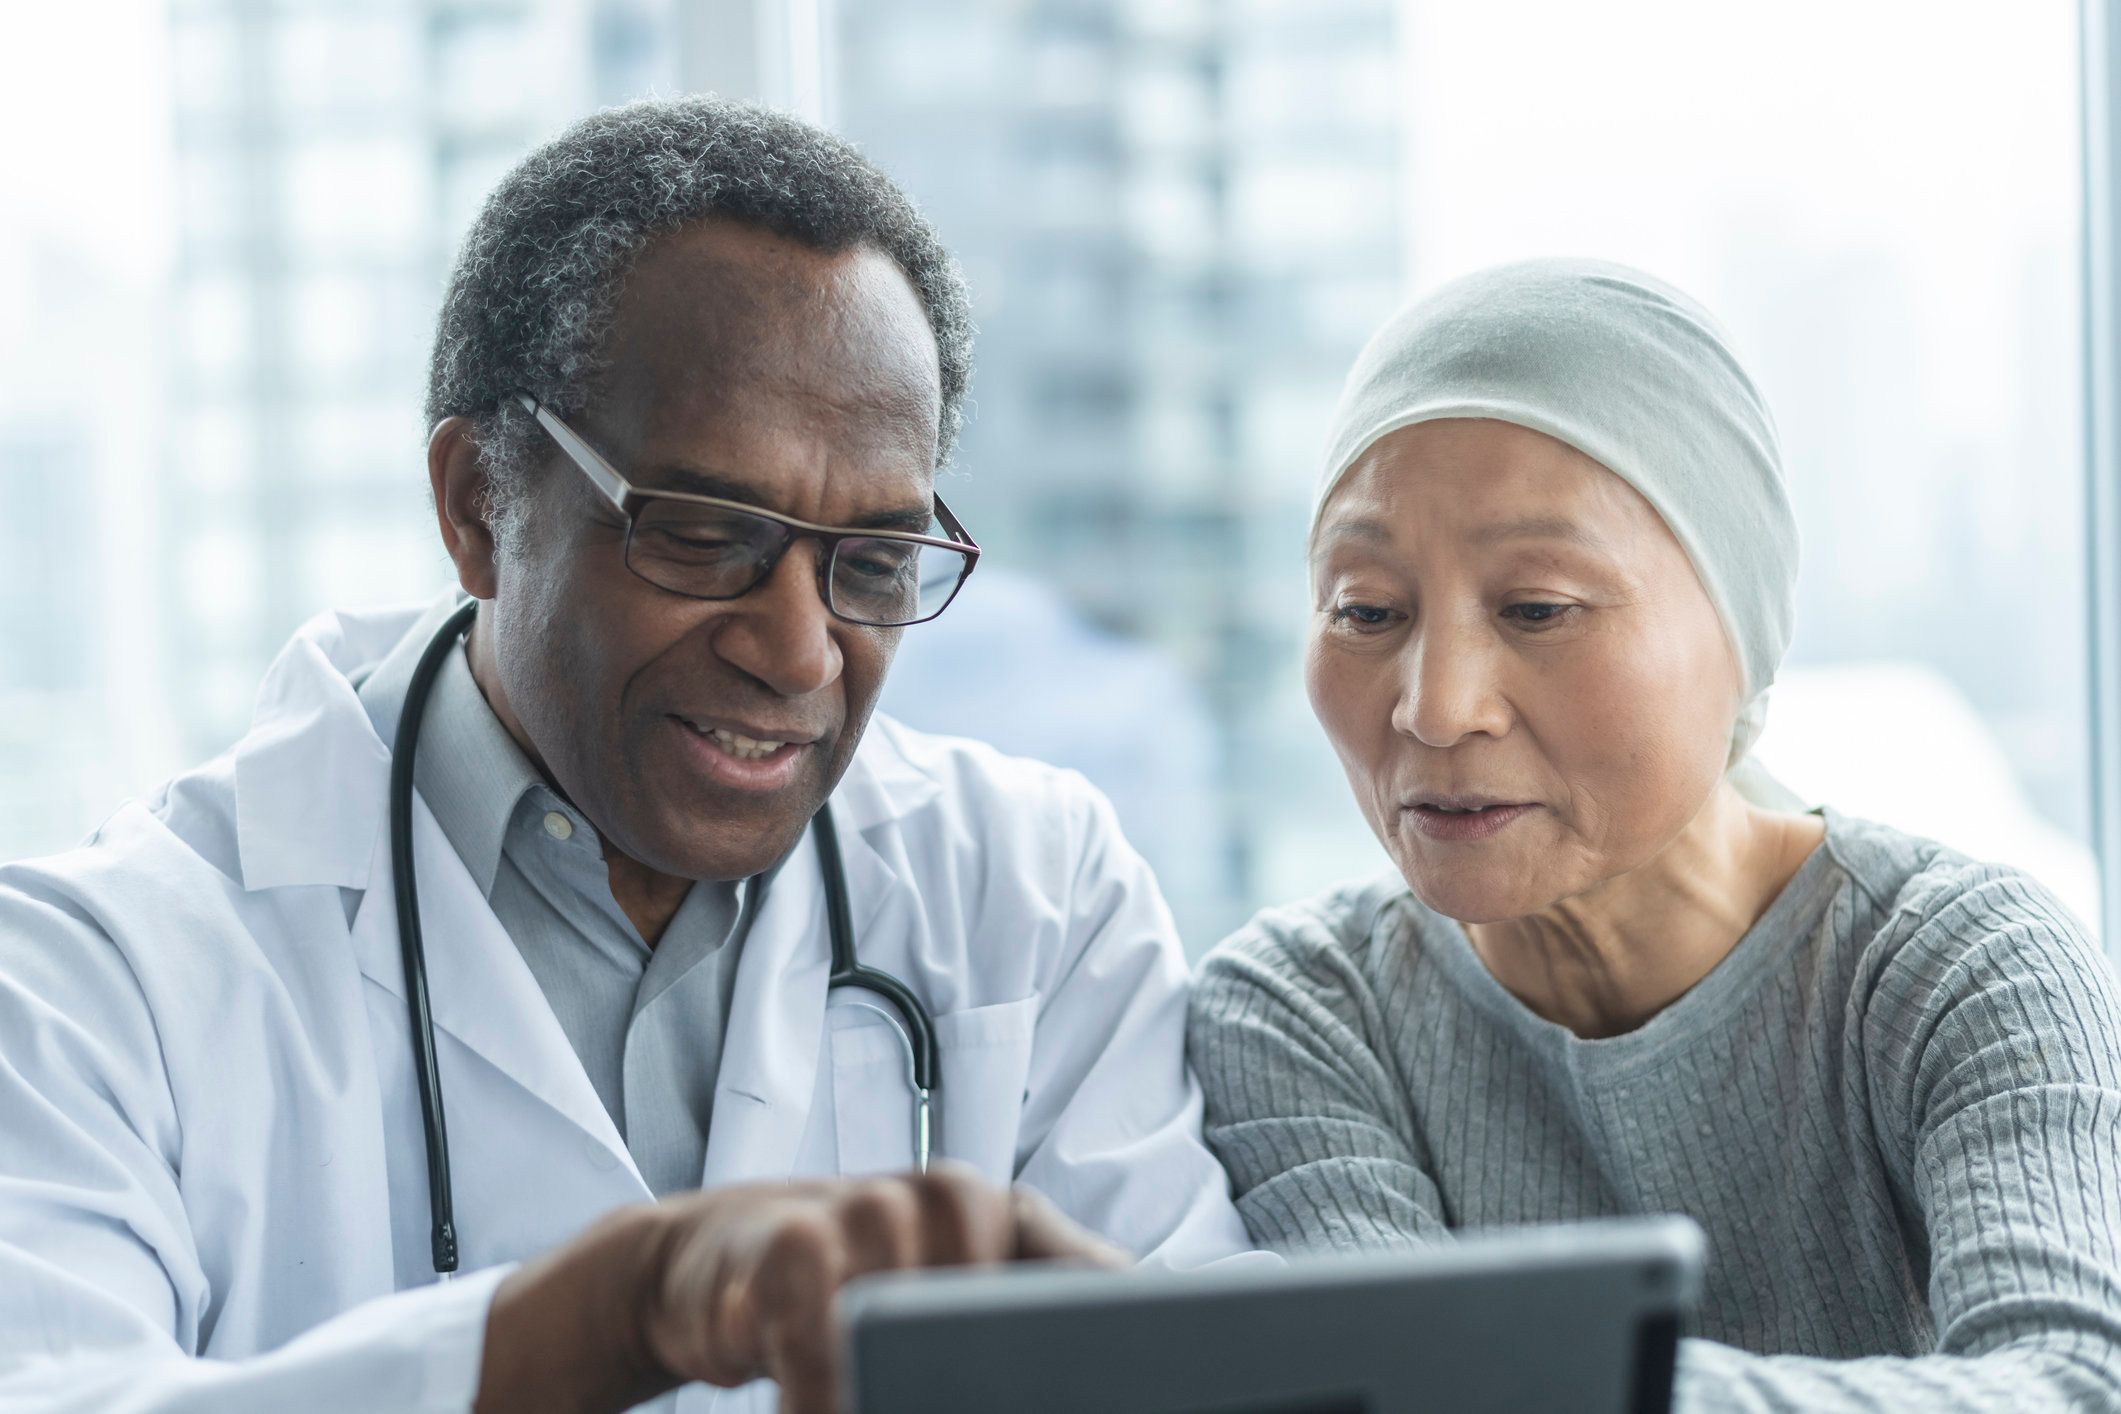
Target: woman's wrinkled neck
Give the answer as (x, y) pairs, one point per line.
(1603, 962)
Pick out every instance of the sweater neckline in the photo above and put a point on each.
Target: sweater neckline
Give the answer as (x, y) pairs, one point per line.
(1756, 957)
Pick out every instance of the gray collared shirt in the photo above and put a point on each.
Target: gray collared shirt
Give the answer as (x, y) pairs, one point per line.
(646, 1022)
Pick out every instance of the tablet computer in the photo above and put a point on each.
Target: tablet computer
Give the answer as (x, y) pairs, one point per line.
(1583, 1318)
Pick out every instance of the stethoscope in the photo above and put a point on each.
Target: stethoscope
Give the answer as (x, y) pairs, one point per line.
(894, 1002)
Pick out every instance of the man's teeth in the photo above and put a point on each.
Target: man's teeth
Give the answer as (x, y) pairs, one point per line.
(742, 747)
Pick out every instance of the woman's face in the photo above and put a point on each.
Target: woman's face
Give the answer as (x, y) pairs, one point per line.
(1527, 684)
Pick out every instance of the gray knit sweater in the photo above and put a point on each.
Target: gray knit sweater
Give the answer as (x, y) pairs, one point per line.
(1895, 1108)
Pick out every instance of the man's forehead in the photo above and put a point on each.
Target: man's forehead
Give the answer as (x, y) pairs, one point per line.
(749, 290)
(723, 318)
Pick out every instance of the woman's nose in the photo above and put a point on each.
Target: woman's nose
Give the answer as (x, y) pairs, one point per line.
(1450, 691)
(781, 632)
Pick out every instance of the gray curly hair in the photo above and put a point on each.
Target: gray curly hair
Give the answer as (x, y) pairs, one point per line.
(531, 298)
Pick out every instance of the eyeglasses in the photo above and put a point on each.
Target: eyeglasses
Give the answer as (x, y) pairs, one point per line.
(704, 547)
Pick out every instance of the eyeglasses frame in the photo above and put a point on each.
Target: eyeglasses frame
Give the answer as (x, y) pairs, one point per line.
(628, 499)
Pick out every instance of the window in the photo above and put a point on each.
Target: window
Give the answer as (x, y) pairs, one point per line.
(1900, 268)
(1180, 222)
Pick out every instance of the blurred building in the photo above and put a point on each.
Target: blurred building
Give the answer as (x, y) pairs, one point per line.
(328, 159)
(48, 619)
(1178, 218)
(75, 537)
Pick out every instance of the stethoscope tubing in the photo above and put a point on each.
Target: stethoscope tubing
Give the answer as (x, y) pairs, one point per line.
(440, 1197)
(914, 1026)
(893, 999)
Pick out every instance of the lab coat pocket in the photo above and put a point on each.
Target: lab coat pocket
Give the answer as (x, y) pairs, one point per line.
(986, 1057)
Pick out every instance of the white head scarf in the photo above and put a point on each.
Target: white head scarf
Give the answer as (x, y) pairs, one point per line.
(1636, 376)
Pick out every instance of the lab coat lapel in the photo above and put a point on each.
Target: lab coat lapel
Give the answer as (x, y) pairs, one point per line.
(479, 988)
(311, 775)
(777, 1017)
(312, 741)
(770, 1058)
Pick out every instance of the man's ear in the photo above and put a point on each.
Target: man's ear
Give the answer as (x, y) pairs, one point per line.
(458, 480)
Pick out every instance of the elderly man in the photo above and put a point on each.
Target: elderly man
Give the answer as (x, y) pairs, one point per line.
(695, 372)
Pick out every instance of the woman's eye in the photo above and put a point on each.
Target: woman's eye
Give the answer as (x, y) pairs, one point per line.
(1361, 615)
(1537, 615)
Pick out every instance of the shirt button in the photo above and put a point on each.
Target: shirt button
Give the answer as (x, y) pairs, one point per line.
(558, 825)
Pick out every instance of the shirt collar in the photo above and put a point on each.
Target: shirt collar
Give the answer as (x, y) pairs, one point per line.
(469, 770)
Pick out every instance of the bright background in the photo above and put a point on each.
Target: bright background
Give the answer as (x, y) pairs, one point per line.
(224, 226)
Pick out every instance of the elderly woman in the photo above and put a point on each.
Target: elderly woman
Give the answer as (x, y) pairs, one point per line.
(1552, 565)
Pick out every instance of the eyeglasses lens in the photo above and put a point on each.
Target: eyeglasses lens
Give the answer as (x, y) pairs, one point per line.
(890, 582)
(710, 552)
(702, 551)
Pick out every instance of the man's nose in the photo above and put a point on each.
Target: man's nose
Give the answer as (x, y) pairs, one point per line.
(1450, 689)
(781, 632)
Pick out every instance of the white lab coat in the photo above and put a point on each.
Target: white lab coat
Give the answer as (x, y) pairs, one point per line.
(212, 1176)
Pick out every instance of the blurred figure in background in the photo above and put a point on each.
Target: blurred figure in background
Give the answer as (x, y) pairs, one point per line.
(1014, 666)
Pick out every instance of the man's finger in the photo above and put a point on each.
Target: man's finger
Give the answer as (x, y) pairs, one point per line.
(732, 1346)
(704, 1325)
(882, 1219)
(801, 1357)
(1045, 1233)
(797, 1270)
(795, 1318)
(964, 1218)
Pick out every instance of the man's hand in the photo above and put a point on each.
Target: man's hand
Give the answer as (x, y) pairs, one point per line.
(738, 1284)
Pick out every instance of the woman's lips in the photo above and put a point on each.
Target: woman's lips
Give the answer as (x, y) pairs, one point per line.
(1460, 825)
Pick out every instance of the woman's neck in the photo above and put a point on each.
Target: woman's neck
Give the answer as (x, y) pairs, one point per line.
(1603, 962)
